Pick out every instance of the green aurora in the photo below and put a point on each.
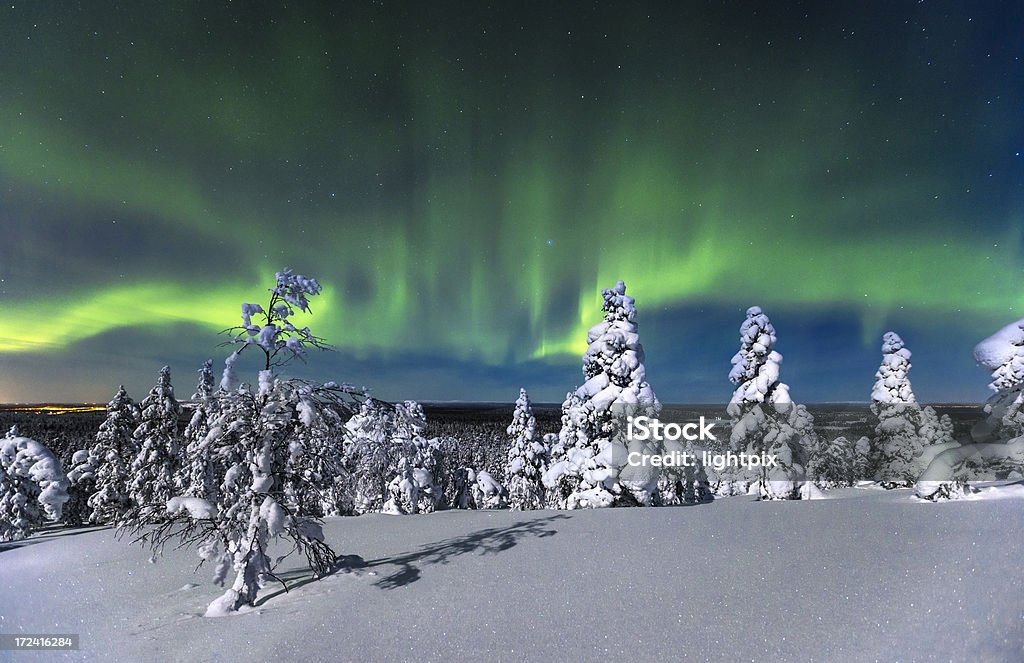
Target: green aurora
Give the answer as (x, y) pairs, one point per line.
(465, 182)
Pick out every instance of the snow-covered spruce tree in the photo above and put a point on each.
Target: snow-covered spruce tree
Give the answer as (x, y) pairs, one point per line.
(371, 455)
(488, 493)
(81, 486)
(253, 434)
(200, 473)
(764, 418)
(684, 485)
(904, 428)
(892, 380)
(463, 483)
(834, 465)
(106, 466)
(317, 481)
(861, 459)
(896, 441)
(527, 459)
(587, 472)
(33, 487)
(416, 485)
(156, 470)
(562, 476)
(935, 429)
(1003, 354)
(997, 450)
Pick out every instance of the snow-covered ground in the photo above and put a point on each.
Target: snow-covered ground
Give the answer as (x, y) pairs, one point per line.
(868, 575)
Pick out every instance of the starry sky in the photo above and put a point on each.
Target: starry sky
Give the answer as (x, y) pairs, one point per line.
(464, 178)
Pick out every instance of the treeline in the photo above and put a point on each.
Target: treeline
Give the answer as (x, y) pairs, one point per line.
(253, 461)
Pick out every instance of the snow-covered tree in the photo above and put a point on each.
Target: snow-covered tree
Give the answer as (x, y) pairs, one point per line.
(462, 486)
(317, 482)
(200, 473)
(764, 418)
(834, 465)
(862, 459)
(527, 458)
(892, 380)
(81, 486)
(997, 450)
(372, 455)
(33, 487)
(256, 432)
(564, 471)
(588, 472)
(1002, 353)
(271, 330)
(755, 366)
(488, 493)
(686, 484)
(904, 428)
(254, 435)
(106, 466)
(396, 469)
(935, 429)
(156, 470)
(416, 485)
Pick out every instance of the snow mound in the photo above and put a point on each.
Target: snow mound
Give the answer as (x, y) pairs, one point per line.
(1002, 492)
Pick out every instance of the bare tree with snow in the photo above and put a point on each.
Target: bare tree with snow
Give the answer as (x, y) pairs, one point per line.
(254, 435)
(271, 329)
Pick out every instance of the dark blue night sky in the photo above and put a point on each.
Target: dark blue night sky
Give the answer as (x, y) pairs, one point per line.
(464, 179)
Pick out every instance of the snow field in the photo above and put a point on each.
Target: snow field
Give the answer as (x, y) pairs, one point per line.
(863, 576)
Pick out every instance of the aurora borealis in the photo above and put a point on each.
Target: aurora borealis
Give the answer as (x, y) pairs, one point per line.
(464, 179)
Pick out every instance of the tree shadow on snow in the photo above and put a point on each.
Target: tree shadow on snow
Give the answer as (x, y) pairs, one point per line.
(489, 541)
(302, 576)
(486, 541)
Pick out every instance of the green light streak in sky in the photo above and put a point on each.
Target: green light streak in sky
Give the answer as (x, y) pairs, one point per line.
(58, 323)
(480, 212)
(62, 163)
(493, 291)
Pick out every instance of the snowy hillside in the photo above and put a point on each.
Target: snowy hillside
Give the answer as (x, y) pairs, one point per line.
(869, 575)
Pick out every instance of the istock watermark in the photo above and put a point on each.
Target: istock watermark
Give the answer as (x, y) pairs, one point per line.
(650, 429)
